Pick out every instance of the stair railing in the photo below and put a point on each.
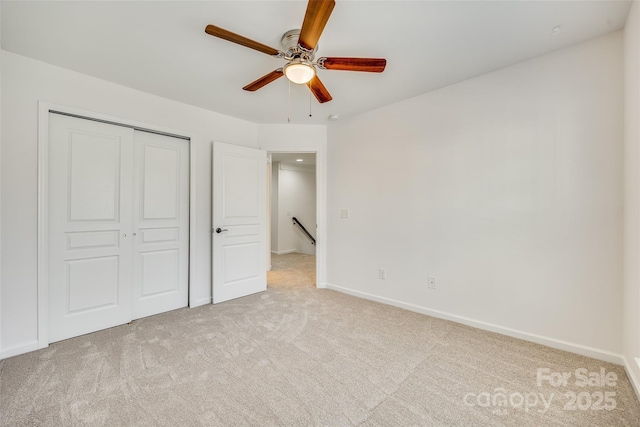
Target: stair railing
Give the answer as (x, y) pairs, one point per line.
(304, 230)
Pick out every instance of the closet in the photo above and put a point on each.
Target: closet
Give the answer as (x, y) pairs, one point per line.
(118, 225)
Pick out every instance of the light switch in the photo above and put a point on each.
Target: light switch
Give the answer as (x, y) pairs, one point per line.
(344, 213)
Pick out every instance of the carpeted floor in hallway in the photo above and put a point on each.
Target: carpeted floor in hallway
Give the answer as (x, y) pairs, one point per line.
(300, 356)
(292, 271)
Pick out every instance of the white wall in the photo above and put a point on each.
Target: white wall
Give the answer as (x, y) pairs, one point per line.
(293, 138)
(632, 194)
(296, 198)
(505, 187)
(24, 83)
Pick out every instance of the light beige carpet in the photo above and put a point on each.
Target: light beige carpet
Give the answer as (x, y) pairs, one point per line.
(298, 356)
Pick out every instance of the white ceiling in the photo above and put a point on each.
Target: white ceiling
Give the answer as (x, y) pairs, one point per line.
(160, 47)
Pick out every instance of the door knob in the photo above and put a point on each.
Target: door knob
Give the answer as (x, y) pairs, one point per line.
(220, 230)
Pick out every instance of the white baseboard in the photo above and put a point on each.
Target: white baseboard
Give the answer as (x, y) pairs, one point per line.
(635, 383)
(201, 301)
(582, 350)
(19, 349)
(288, 251)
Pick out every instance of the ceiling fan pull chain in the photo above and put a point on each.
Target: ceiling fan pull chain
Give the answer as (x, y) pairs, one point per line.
(310, 115)
(289, 104)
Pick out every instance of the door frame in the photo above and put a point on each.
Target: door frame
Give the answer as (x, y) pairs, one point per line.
(321, 207)
(268, 221)
(44, 109)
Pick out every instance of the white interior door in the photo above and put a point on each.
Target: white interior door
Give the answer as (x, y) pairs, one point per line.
(160, 224)
(90, 257)
(239, 221)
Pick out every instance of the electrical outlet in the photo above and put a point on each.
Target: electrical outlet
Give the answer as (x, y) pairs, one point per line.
(432, 282)
(382, 274)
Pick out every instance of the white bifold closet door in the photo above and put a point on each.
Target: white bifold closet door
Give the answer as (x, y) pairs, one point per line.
(118, 225)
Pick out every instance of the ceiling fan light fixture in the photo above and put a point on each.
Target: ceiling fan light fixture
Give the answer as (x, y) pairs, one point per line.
(299, 71)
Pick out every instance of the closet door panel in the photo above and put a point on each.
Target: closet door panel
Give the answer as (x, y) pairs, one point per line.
(161, 221)
(90, 219)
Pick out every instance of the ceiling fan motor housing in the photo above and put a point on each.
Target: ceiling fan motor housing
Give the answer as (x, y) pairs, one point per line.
(292, 49)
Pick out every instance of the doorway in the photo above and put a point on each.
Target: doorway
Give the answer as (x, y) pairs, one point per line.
(293, 218)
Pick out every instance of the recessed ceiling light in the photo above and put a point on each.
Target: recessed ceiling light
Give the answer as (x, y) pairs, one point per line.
(556, 30)
(334, 117)
(299, 160)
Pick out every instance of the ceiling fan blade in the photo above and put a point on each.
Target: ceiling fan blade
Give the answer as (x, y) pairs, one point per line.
(316, 17)
(317, 88)
(235, 38)
(371, 65)
(264, 80)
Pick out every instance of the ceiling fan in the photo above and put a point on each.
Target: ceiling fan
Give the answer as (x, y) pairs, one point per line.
(299, 49)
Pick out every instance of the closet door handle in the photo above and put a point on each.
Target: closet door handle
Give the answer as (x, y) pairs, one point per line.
(124, 235)
(220, 230)
(134, 234)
